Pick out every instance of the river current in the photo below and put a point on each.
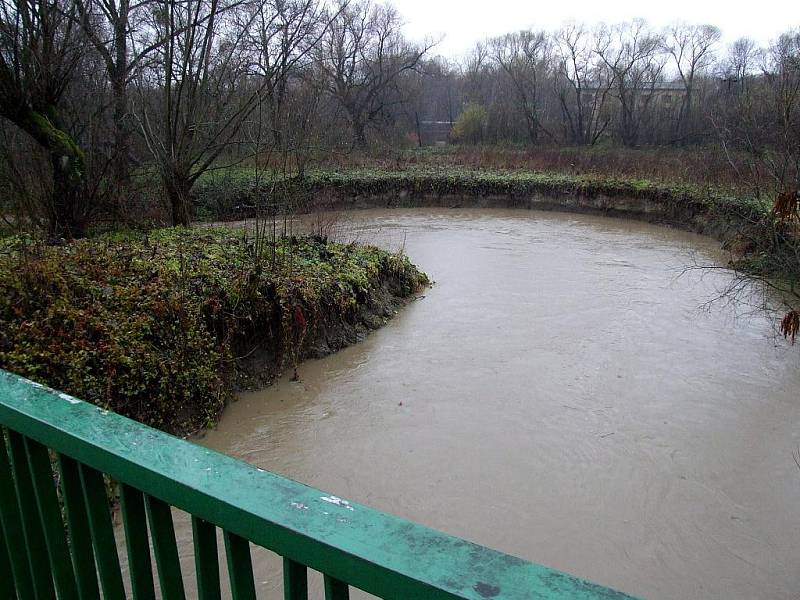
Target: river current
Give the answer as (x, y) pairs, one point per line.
(561, 393)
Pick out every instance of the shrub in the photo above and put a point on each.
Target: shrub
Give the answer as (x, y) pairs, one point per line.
(150, 325)
(470, 124)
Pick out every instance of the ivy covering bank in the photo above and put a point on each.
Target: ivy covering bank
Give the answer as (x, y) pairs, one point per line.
(156, 326)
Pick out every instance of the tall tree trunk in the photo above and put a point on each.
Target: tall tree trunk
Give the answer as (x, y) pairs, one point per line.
(121, 157)
(357, 122)
(274, 106)
(629, 127)
(118, 72)
(533, 127)
(277, 137)
(684, 118)
(359, 133)
(582, 132)
(178, 189)
(64, 216)
(65, 210)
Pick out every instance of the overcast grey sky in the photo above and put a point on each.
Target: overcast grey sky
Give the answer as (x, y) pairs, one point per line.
(463, 22)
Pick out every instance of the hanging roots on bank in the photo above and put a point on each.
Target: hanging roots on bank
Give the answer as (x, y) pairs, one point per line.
(786, 206)
(790, 324)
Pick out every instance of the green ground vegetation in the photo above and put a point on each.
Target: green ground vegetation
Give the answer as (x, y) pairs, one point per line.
(229, 193)
(153, 325)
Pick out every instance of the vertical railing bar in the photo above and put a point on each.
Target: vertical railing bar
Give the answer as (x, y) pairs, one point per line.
(240, 566)
(295, 580)
(165, 549)
(12, 526)
(80, 539)
(6, 577)
(206, 559)
(102, 532)
(134, 520)
(52, 523)
(335, 589)
(31, 523)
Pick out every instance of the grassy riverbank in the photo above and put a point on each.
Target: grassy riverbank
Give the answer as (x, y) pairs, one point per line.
(163, 327)
(697, 166)
(235, 193)
(760, 245)
(221, 194)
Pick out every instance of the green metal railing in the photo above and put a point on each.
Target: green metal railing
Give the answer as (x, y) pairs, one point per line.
(57, 537)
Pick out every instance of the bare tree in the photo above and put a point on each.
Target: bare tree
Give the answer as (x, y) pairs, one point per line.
(475, 71)
(782, 78)
(691, 48)
(525, 59)
(632, 53)
(40, 49)
(108, 26)
(283, 35)
(361, 56)
(193, 97)
(740, 60)
(582, 86)
(208, 79)
(758, 126)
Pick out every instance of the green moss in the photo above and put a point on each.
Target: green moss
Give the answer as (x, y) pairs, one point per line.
(54, 138)
(150, 325)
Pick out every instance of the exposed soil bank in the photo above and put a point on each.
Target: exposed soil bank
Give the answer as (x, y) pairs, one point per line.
(334, 330)
(696, 209)
(760, 244)
(692, 216)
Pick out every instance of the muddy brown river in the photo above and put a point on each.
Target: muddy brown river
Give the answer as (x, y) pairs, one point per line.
(558, 394)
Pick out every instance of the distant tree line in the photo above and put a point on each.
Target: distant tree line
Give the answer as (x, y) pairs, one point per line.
(629, 84)
(97, 96)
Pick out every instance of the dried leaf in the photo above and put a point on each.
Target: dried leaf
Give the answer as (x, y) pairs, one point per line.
(790, 325)
(786, 206)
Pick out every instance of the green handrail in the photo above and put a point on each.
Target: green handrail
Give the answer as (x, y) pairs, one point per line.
(55, 449)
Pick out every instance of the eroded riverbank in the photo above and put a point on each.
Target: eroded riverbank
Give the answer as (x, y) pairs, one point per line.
(233, 194)
(161, 326)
